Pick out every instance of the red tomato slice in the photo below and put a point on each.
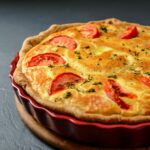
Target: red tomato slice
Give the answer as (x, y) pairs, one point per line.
(63, 41)
(148, 45)
(46, 59)
(130, 32)
(145, 80)
(62, 81)
(114, 91)
(90, 31)
(120, 91)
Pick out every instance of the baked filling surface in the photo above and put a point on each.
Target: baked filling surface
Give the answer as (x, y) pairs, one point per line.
(95, 71)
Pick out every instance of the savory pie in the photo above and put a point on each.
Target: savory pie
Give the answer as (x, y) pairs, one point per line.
(96, 71)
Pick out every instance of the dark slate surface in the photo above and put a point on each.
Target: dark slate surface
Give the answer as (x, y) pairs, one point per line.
(19, 20)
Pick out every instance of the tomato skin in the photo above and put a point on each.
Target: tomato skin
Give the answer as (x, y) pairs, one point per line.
(90, 31)
(120, 91)
(145, 80)
(114, 91)
(62, 80)
(112, 94)
(130, 32)
(148, 45)
(46, 59)
(63, 41)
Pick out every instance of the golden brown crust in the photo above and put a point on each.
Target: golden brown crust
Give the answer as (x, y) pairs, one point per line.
(20, 78)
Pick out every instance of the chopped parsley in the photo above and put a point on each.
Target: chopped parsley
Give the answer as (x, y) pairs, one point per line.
(134, 70)
(57, 99)
(67, 95)
(113, 76)
(86, 47)
(66, 65)
(79, 57)
(113, 56)
(97, 83)
(147, 73)
(91, 90)
(88, 79)
(78, 54)
(104, 28)
(51, 66)
(123, 44)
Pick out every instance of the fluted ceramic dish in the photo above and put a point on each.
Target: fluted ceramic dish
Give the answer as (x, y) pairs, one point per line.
(98, 134)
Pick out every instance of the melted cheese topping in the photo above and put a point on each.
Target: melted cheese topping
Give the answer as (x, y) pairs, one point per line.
(96, 60)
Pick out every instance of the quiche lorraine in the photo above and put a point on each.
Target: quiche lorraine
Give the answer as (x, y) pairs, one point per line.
(97, 71)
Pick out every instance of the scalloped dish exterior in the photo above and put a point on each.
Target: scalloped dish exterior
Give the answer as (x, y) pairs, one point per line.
(97, 71)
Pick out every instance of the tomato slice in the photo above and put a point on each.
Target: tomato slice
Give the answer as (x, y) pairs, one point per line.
(148, 45)
(145, 80)
(63, 41)
(46, 59)
(62, 81)
(130, 32)
(90, 31)
(120, 91)
(114, 91)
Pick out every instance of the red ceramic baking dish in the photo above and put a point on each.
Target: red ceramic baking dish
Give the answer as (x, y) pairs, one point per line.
(103, 135)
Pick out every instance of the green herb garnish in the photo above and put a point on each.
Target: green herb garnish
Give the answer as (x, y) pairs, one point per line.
(113, 56)
(67, 95)
(58, 99)
(67, 65)
(97, 83)
(79, 57)
(51, 66)
(113, 76)
(104, 28)
(147, 73)
(78, 54)
(91, 90)
(87, 47)
(86, 81)
(123, 44)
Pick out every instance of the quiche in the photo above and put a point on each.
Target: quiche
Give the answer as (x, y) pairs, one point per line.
(97, 71)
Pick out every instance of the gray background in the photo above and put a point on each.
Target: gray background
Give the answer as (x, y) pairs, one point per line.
(19, 20)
